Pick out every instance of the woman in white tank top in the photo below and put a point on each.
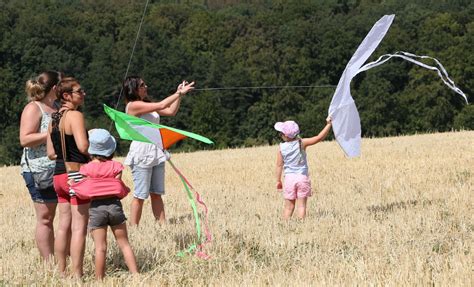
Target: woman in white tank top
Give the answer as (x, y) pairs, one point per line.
(147, 160)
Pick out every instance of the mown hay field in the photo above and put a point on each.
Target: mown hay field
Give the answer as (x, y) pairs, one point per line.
(401, 214)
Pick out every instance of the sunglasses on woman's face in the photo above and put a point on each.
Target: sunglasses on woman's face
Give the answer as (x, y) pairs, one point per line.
(142, 85)
(79, 91)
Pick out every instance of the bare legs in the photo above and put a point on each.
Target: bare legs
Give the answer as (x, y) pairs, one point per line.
(157, 207)
(44, 233)
(71, 236)
(121, 236)
(301, 207)
(290, 207)
(63, 236)
(136, 211)
(100, 241)
(80, 216)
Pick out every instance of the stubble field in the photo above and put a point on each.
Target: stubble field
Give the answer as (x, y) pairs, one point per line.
(401, 214)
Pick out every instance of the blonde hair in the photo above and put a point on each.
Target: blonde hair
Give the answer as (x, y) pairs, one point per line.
(64, 86)
(37, 88)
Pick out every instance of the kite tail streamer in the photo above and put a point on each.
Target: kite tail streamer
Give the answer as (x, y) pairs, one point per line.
(197, 248)
(206, 225)
(200, 201)
(442, 73)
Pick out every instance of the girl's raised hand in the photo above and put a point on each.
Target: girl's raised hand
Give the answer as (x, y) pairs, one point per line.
(328, 120)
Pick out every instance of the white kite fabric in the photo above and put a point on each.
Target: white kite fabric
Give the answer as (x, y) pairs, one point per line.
(343, 111)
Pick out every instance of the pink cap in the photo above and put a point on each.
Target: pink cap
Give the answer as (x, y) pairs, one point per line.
(288, 128)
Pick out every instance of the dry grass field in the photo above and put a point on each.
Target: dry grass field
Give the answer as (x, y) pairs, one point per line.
(401, 214)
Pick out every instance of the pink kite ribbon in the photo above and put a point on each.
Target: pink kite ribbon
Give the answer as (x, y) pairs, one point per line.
(200, 246)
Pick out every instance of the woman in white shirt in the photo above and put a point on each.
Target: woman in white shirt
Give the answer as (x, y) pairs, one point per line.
(146, 160)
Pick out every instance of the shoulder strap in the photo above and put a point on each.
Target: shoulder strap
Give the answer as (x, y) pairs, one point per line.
(40, 106)
(62, 132)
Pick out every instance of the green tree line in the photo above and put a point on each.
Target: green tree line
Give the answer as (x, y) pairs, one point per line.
(223, 43)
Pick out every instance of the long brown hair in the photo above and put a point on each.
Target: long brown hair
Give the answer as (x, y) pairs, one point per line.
(130, 89)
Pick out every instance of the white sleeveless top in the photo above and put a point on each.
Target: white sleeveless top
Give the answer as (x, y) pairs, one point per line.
(143, 154)
(37, 157)
(294, 158)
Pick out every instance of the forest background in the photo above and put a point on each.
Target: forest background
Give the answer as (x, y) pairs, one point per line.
(224, 43)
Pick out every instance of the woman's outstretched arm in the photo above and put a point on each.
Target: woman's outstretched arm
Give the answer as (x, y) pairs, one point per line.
(168, 106)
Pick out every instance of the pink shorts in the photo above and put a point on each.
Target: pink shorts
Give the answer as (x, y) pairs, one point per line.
(61, 187)
(296, 186)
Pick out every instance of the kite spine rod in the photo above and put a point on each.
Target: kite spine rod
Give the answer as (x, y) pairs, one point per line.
(264, 87)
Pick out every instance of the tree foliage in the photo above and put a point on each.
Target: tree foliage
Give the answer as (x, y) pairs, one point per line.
(222, 43)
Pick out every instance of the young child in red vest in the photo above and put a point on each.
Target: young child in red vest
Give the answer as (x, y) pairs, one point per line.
(103, 184)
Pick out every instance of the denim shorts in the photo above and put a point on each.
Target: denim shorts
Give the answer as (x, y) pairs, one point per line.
(148, 180)
(106, 212)
(39, 196)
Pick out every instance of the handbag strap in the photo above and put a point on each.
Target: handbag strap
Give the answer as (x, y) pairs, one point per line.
(26, 159)
(62, 132)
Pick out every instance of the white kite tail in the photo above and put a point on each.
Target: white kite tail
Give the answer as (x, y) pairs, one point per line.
(443, 74)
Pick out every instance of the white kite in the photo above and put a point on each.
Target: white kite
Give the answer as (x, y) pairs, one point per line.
(343, 111)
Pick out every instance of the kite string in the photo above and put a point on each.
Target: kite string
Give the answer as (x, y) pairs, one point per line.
(131, 56)
(133, 50)
(263, 87)
(202, 89)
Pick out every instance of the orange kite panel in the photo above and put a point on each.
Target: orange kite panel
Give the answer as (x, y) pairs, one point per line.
(169, 137)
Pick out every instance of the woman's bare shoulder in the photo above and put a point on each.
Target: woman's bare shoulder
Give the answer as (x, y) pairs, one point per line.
(75, 114)
(31, 107)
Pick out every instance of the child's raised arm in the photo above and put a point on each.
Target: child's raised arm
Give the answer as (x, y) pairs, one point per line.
(321, 136)
(279, 170)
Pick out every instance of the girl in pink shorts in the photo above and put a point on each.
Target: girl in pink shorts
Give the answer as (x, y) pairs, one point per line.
(291, 159)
